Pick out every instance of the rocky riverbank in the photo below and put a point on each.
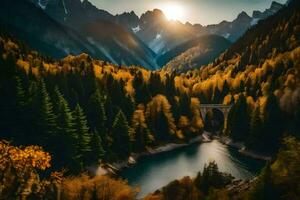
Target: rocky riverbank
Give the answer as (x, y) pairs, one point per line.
(242, 149)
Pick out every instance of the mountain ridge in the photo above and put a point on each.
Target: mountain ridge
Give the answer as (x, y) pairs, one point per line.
(195, 53)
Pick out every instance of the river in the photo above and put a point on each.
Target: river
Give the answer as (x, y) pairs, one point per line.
(153, 172)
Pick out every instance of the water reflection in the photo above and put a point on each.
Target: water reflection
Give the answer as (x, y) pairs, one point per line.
(156, 171)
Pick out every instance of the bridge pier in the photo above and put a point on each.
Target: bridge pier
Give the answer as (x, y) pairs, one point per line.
(225, 109)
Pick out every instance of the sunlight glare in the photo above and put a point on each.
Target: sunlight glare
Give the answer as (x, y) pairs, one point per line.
(173, 11)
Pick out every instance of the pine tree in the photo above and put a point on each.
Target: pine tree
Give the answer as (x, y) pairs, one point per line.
(66, 150)
(46, 119)
(216, 95)
(140, 135)
(97, 113)
(184, 105)
(20, 131)
(83, 135)
(212, 178)
(20, 93)
(97, 152)
(238, 120)
(155, 84)
(160, 118)
(141, 90)
(120, 135)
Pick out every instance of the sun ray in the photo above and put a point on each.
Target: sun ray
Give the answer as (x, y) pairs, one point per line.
(173, 11)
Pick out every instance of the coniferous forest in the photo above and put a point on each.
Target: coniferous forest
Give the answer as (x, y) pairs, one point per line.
(60, 117)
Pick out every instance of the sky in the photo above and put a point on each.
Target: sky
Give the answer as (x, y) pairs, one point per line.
(195, 11)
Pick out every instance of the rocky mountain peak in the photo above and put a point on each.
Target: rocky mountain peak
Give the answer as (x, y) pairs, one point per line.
(243, 15)
(155, 15)
(276, 5)
(257, 14)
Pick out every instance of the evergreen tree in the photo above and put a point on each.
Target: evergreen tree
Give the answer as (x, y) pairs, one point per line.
(155, 84)
(120, 136)
(97, 152)
(184, 105)
(66, 151)
(238, 120)
(83, 135)
(140, 135)
(110, 113)
(211, 178)
(21, 113)
(160, 118)
(46, 124)
(97, 114)
(142, 94)
(216, 98)
(20, 93)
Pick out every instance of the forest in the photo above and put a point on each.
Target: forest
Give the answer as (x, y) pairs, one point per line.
(58, 117)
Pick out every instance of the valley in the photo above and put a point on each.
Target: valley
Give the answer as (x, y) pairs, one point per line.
(83, 89)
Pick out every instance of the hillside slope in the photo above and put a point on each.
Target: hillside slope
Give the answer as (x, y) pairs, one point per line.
(63, 34)
(194, 53)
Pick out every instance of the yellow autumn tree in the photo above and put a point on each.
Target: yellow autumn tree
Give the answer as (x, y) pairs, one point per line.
(160, 117)
(19, 168)
(140, 134)
(99, 187)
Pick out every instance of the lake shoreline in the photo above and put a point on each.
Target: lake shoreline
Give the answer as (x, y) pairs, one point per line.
(240, 146)
(242, 149)
(115, 167)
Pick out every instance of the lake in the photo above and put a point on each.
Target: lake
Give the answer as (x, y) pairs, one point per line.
(153, 172)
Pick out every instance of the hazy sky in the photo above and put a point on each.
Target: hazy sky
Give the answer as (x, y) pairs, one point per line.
(195, 11)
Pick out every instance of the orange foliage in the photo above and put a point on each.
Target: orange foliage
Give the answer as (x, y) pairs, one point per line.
(23, 65)
(22, 158)
(99, 187)
(18, 166)
(159, 104)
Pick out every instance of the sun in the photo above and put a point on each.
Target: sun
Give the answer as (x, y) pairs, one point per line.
(173, 11)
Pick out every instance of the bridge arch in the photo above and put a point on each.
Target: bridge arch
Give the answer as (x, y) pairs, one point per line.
(205, 108)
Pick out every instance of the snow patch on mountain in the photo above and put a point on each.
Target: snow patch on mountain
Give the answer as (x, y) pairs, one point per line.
(64, 5)
(136, 29)
(254, 21)
(157, 44)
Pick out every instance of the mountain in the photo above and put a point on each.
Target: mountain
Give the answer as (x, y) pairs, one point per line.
(209, 47)
(277, 34)
(77, 26)
(194, 53)
(235, 29)
(155, 30)
(32, 25)
(99, 27)
(161, 35)
(275, 6)
(232, 30)
(64, 27)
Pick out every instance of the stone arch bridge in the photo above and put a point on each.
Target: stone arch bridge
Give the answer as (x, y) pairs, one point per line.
(204, 108)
